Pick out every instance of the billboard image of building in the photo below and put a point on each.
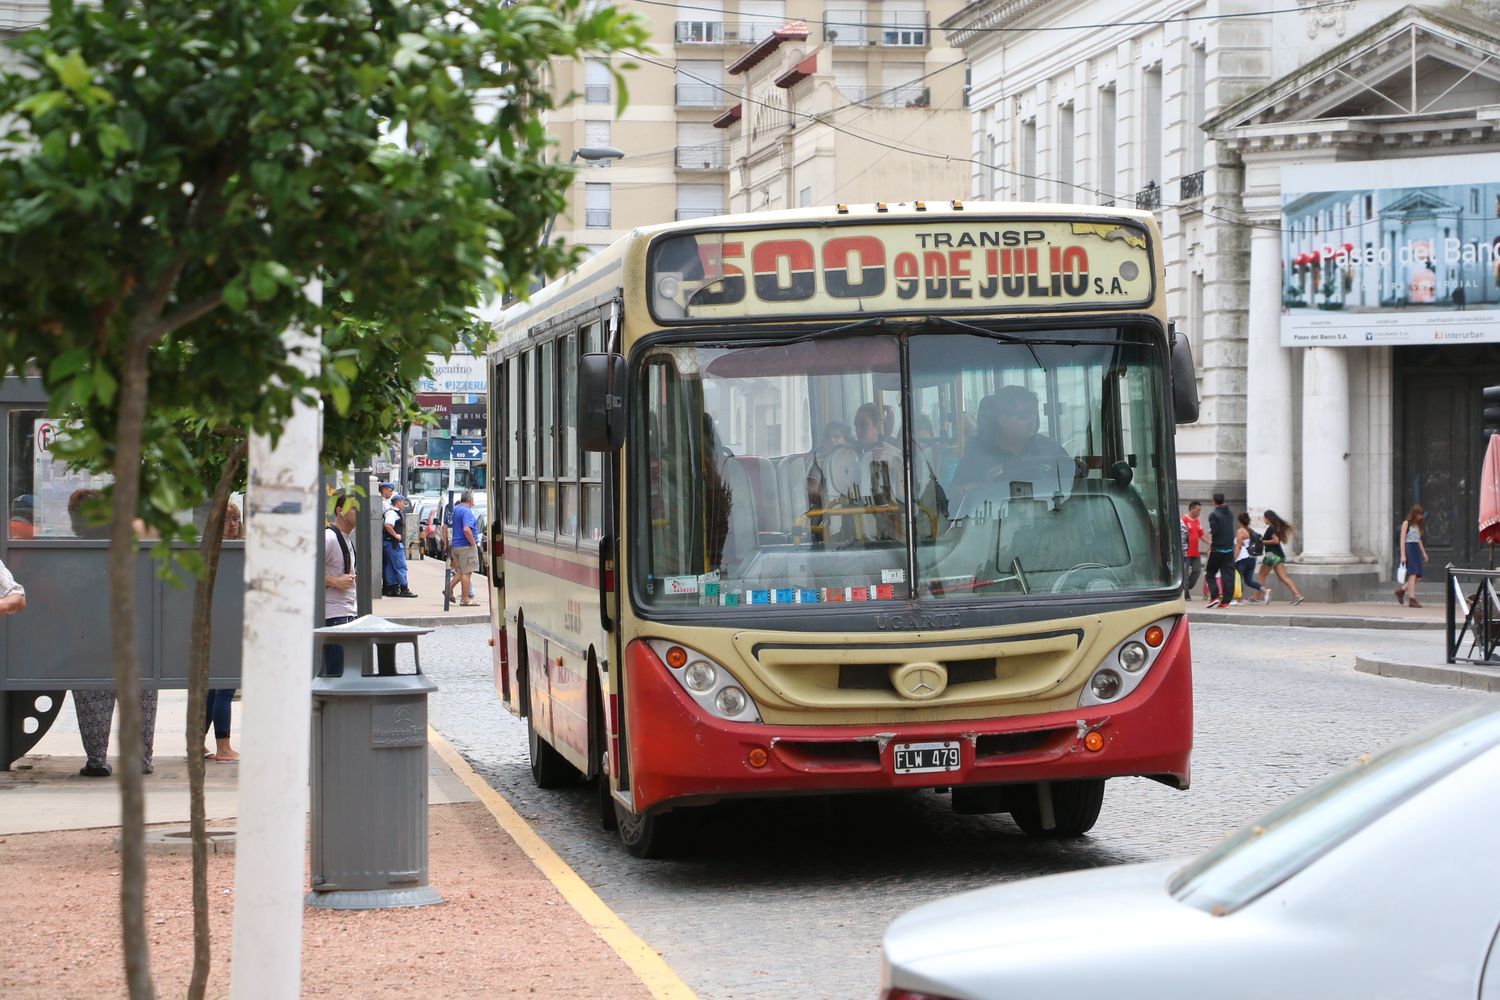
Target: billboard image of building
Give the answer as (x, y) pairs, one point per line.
(1391, 252)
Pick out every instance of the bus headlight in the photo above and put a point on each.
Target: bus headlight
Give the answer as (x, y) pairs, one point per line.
(713, 688)
(1120, 673)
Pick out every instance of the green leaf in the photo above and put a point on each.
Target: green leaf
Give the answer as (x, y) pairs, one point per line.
(234, 296)
(263, 282)
(66, 364)
(104, 385)
(42, 104)
(71, 70)
(340, 394)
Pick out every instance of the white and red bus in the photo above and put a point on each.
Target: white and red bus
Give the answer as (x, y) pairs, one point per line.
(846, 499)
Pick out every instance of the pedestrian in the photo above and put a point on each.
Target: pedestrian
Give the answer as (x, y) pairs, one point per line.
(1274, 558)
(1192, 554)
(219, 704)
(393, 550)
(387, 491)
(338, 578)
(1413, 554)
(12, 594)
(464, 550)
(1247, 546)
(1221, 554)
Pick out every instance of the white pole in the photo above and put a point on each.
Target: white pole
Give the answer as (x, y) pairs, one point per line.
(281, 539)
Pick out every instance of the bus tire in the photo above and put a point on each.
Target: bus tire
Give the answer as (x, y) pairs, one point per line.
(649, 835)
(549, 769)
(1075, 807)
(604, 797)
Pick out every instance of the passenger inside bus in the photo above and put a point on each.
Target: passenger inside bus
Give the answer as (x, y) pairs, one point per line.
(1007, 457)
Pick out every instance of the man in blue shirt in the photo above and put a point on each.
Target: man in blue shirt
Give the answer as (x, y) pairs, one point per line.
(463, 552)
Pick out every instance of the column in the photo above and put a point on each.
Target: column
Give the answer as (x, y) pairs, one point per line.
(1325, 455)
(1268, 406)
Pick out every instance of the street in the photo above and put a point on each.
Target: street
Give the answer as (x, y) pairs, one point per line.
(791, 897)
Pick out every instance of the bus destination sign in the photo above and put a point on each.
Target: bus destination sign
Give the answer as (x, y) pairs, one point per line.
(947, 264)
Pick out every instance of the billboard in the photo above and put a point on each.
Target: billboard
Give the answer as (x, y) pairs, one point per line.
(460, 373)
(467, 409)
(1392, 252)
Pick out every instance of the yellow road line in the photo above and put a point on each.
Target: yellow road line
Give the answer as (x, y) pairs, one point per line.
(649, 966)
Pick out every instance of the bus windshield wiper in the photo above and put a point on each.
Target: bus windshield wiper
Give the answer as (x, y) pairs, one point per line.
(1009, 338)
(858, 324)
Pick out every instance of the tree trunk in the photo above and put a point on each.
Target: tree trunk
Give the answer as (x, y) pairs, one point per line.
(123, 548)
(199, 646)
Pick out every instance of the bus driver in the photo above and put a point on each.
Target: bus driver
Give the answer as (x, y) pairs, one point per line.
(1007, 450)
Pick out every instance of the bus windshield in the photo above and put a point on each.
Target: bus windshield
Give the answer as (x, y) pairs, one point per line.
(803, 472)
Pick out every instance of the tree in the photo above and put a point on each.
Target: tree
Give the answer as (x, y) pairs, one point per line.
(175, 172)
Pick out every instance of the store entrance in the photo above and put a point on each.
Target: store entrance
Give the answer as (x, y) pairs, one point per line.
(1439, 449)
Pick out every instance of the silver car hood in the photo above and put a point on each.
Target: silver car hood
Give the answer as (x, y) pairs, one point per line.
(1100, 913)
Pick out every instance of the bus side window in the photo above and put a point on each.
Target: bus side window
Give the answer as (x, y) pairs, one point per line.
(591, 488)
(528, 440)
(567, 438)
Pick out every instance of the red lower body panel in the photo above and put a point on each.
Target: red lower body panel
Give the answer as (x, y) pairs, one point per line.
(680, 754)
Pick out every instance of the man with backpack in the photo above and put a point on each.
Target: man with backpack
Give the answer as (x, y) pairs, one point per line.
(339, 606)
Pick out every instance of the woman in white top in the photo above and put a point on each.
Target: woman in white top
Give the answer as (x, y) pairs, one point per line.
(1244, 559)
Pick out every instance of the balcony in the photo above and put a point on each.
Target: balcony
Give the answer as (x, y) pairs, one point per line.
(596, 218)
(710, 157)
(700, 95)
(904, 96)
(596, 93)
(1191, 187)
(906, 29)
(697, 213)
(1148, 197)
(699, 33)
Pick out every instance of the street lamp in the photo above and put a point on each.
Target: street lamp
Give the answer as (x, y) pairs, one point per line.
(593, 154)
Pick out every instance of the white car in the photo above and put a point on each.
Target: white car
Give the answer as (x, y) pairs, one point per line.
(1381, 882)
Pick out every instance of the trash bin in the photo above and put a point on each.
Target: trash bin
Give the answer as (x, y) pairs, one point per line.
(369, 772)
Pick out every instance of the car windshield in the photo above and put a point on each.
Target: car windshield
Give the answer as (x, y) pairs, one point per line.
(800, 472)
(1291, 837)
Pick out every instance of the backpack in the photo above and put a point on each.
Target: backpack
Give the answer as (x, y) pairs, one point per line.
(1257, 547)
(343, 547)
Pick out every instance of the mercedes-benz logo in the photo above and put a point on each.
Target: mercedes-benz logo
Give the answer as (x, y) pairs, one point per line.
(920, 681)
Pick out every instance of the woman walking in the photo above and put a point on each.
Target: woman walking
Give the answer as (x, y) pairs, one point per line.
(1413, 554)
(1244, 557)
(1277, 531)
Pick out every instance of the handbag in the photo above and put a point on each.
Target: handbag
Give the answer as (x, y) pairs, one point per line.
(1401, 573)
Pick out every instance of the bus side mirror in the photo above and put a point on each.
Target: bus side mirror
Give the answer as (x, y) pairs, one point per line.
(1184, 381)
(601, 402)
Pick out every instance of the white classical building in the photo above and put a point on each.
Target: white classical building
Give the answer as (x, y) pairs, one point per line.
(1327, 178)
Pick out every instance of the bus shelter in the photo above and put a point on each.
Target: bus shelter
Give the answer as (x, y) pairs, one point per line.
(62, 641)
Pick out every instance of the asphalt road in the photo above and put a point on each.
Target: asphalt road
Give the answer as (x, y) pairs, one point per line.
(790, 898)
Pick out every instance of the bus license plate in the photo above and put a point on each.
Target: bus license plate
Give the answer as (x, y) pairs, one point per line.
(918, 758)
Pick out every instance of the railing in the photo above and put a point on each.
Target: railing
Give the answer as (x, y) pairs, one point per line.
(845, 27)
(596, 218)
(1479, 608)
(596, 93)
(697, 213)
(699, 33)
(702, 157)
(904, 29)
(1191, 187)
(899, 29)
(700, 95)
(1148, 197)
(911, 95)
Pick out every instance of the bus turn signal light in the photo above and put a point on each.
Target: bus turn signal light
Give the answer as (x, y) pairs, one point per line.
(1093, 741)
(676, 657)
(757, 757)
(1154, 636)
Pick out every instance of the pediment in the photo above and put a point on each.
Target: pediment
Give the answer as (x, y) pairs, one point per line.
(1415, 62)
(1420, 204)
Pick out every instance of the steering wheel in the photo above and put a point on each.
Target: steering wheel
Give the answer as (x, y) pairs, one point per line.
(1108, 578)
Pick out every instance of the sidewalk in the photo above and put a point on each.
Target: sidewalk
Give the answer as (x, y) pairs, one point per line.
(1372, 614)
(425, 579)
(504, 928)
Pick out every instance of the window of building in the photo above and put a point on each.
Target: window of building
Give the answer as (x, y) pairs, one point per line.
(596, 133)
(804, 198)
(1151, 125)
(761, 17)
(1028, 160)
(852, 79)
(699, 201)
(1065, 164)
(700, 146)
(1195, 315)
(1108, 169)
(1197, 104)
(596, 81)
(845, 24)
(902, 85)
(706, 26)
(700, 83)
(596, 206)
(904, 23)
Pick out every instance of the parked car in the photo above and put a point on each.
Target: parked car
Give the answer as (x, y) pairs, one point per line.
(430, 525)
(1381, 881)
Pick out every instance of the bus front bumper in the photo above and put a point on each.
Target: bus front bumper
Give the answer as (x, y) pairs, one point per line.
(681, 755)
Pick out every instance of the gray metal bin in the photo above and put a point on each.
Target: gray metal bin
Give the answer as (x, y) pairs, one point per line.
(369, 772)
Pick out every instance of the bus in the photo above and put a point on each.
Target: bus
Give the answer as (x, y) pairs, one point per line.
(844, 500)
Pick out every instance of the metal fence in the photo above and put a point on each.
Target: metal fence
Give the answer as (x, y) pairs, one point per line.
(712, 157)
(596, 218)
(897, 29)
(697, 213)
(1473, 615)
(1191, 186)
(700, 95)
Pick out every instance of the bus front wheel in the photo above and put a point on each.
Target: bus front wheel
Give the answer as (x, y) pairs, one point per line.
(1075, 807)
(657, 835)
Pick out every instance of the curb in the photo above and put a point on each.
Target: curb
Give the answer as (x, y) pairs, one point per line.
(437, 621)
(1294, 620)
(1475, 678)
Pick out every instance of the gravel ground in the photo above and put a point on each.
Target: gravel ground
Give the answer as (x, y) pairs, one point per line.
(503, 929)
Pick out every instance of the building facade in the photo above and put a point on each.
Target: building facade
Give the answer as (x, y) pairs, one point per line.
(750, 105)
(1322, 176)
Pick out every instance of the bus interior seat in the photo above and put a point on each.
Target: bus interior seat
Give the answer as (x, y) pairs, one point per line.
(743, 535)
(762, 489)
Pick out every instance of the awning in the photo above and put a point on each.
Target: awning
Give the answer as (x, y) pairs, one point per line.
(729, 117)
(796, 31)
(799, 72)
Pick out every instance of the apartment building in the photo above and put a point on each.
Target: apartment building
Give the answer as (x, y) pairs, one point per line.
(757, 104)
(1324, 179)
